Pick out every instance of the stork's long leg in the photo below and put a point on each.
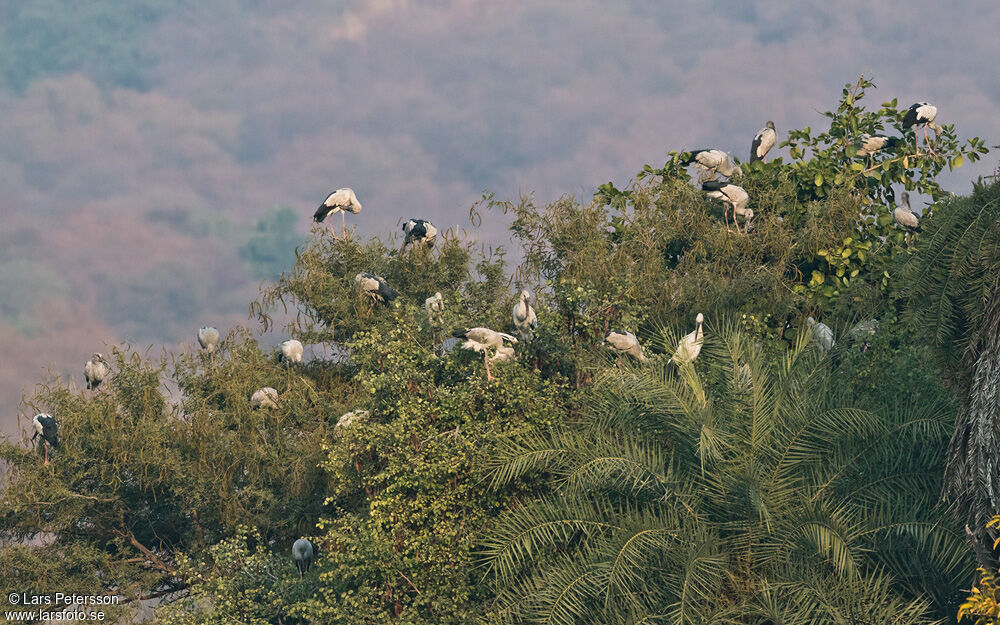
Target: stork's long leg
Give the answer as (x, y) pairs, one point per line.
(343, 223)
(725, 216)
(332, 231)
(736, 221)
(46, 454)
(486, 361)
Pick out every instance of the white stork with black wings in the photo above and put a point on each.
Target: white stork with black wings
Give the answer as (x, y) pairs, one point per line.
(340, 201)
(763, 141)
(418, 232)
(482, 340)
(95, 371)
(525, 319)
(922, 113)
(868, 145)
(711, 162)
(376, 288)
(46, 427)
(733, 196)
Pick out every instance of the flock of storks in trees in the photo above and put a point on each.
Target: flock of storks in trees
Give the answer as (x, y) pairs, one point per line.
(493, 344)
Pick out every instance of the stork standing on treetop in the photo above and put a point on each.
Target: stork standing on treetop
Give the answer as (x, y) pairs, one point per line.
(922, 113)
(418, 232)
(376, 288)
(904, 215)
(291, 351)
(732, 196)
(340, 201)
(622, 342)
(481, 340)
(763, 141)
(711, 162)
(868, 145)
(689, 346)
(95, 371)
(46, 427)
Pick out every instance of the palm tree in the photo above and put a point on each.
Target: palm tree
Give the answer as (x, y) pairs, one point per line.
(739, 491)
(953, 289)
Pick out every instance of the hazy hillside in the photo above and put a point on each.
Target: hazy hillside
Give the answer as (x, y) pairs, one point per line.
(145, 149)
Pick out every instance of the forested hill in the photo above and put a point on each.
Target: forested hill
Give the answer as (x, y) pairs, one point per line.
(706, 422)
(160, 158)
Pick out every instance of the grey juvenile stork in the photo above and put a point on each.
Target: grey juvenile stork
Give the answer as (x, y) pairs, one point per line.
(689, 346)
(418, 232)
(481, 340)
(434, 305)
(822, 335)
(302, 554)
(732, 196)
(376, 288)
(921, 113)
(95, 371)
(45, 426)
(763, 141)
(291, 351)
(266, 397)
(208, 338)
(340, 201)
(524, 316)
(622, 342)
(711, 162)
(904, 215)
(868, 145)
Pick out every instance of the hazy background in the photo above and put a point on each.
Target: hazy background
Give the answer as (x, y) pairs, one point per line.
(147, 148)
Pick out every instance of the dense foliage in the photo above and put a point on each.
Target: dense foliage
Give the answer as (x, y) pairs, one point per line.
(769, 482)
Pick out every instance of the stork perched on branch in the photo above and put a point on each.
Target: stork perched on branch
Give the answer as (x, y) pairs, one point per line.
(208, 338)
(376, 288)
(266, 397)
(524, 316)
(302, 554)
(340, 201)
(922, 113)
(689, 346)
(711, 162)
(46, 427)
(732, 196)
(291, 351)
(482, 340)
(822, 335)
(905, 217)
(419, 232)
(763, 141)
(623, 342)
(95, 371)
(868, 145)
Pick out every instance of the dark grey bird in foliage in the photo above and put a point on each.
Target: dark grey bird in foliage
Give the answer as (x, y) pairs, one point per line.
(291, 351)
(482, 340)
(711, 162)
(95, 371)
(45, 426)
(302, 554)
(376, 288)
(418, 232)
(622, 342)
(922, 113)
(904, 215)
(732, 196)
(340, 201)
(763, 141)
(525, 319)
(208, 338)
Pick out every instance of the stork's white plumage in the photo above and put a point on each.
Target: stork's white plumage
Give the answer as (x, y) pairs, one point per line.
(340, 201)
(291, 351)
(711, 162)
(922, 113)
(622, 342)
(376, 288)
(904, 215)
(46, 427)
(690, 344)
(822, 335)
(434, 305)
(208, 338)
(732, 196)
(868, 145)
(266, 397)
(525, 319)
(95, 371)
(418, 232)
(763, 141)
(482, 340)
